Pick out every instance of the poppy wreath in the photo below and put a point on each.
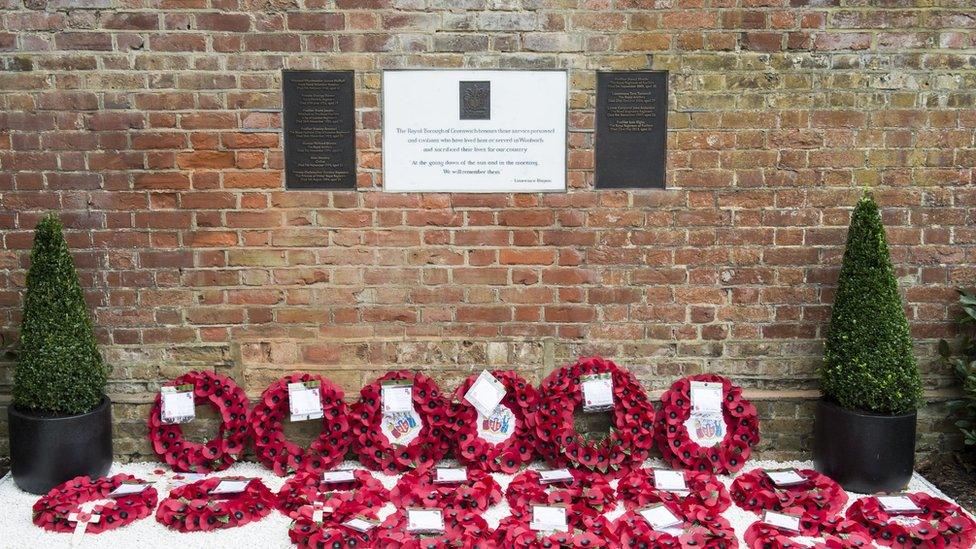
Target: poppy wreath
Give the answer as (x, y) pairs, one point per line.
(515, 532)
(507, 456)
(418, 489)
(306, 488)
(51, 510)
(703, 528)
(637, 490)
(816, 501)
(308, 533)
(587, 496)
(462, 529)
(191, 507)
(940, 524)
(218, 454)
(628, 442)
(377, 452)
(677, 447)
(840, 534)
(285, 457)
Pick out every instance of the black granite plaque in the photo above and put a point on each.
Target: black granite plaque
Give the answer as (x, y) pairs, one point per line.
(631, 129)
(475, 99)
(319, 119)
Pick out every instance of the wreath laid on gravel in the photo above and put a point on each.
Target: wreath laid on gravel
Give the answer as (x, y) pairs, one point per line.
(418, 489)
(506, 456)
(815, 501)
(52, 511)
(310, 531)
(637, 489)
(630, 438)
(587, 495)
(676, 444)
(192, 507)
(702, 528)
(515, 532)
(307, 488)
(838, 534)
(218, 454)
(462, 529)
(940, 523)
(285, 457)
(375, 448)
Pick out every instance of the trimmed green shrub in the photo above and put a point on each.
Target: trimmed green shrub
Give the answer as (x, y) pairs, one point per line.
(869, 364)
(59, 370)
(962, 361)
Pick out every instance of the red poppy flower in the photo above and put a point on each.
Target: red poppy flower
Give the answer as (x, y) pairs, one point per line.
(52, 510)
(940, 524)
(192, 507)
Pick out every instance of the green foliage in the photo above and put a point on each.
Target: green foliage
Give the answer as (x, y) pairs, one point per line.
(869, 364)
(59, 370)
(962, 361)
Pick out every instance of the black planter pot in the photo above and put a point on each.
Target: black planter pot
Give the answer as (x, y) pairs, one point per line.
(48, 450)
(865, 453)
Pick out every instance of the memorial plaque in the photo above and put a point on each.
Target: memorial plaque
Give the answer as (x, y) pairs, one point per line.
(319, 119)
(631, 129)
(474, 130)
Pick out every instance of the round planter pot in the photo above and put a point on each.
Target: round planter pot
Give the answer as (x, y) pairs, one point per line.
(48, 450)
(864, 452)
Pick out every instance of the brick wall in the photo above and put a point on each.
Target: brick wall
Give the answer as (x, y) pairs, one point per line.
(154, 128)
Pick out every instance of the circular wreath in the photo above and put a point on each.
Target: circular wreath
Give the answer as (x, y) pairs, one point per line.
(433, 442)
(703, 528)
(628, 442)
(940, 524)
(506, 456)
(838, 533)
(637, 490)
(816, 501)
(418, 489)
(192, 507)
(51, 510)
(515, 532)
(218, 454)
(306, 532)
(307, 487)
(461, 529)
(587, 495)
(285, 457)
(677, 448)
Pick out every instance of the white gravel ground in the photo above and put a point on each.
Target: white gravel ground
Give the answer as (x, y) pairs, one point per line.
(18, 532)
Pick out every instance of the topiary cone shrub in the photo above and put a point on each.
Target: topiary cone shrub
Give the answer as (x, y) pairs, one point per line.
(59, 370)
(869, 364)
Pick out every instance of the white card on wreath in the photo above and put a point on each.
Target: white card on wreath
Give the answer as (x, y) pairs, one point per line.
(788, 477)
(304, 401)
(486, 393)
(670, 481)
(359, 524)
(127, 489)
(597, 391)
(555, 475)
(782, 520)
(176, 406)
(447, 475)
(898, 504)
(706, 397)
(335, 477)
(397, 397)
(231, 486)
(425, 520)
(659, 517)
(547, 518)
